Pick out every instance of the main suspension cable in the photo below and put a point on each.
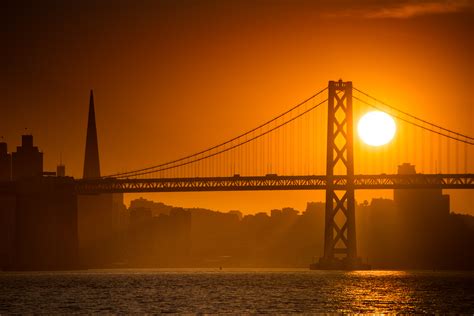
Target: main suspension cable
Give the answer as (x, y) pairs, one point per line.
(413, 116)
(221, 144)
(140, 173)
(415, 124)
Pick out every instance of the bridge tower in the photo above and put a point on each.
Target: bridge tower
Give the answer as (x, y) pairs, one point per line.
(340, 247)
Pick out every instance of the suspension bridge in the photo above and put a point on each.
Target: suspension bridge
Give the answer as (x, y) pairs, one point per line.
(312, 146)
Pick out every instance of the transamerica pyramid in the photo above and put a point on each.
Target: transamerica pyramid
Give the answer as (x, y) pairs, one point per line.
(91, 159)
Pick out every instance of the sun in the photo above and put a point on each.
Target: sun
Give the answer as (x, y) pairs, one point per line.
(376, 128)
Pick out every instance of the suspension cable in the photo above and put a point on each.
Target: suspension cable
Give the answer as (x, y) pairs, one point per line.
(139, 173)
(221, 144)
(412, 116)
(413, 123)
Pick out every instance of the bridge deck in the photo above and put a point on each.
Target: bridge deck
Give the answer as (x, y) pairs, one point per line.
(274, 182)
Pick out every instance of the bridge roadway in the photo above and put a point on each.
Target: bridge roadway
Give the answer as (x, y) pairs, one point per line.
(274, 182)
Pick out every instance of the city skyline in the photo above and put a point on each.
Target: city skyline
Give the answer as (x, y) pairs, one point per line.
(33, 198)
(154, 92)
(198, 200)
(237, 157)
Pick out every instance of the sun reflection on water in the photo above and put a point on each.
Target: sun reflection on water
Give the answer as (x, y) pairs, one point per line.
(377, 273)
(381, 291)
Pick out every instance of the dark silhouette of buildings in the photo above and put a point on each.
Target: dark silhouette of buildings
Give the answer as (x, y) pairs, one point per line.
(286, 238)
(415, 230)
(222, 229)
(46, 224)
(7, 228)
(156, 208)
(424, 223)
(162, 240)
(378, 229)
(174, 237)
(420, 203)
(61, 170)
(27, 161)
(5, 162)
(38, 215)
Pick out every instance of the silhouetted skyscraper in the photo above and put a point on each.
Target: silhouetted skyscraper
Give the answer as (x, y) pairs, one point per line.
(98, 215)
(423, 203)
(61, 170)
(91, 160)
(423, 216)
(27, 161)
(5, 163)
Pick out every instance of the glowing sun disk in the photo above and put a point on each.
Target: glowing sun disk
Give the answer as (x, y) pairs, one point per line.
(376, 128)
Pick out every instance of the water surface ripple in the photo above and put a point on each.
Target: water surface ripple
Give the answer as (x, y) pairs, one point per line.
(236, 291)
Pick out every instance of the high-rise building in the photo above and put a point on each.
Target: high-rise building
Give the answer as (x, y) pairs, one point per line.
(425, 203)
(422, 217)
(7, 209)
(38, 215)
(91, 159)
(5, 163)
(27, 161)
(61, 170)
(99, 214)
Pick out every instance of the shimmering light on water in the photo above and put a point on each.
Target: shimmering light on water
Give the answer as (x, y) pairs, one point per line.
(236, 291)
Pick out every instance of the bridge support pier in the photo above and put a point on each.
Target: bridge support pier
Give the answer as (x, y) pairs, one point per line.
(340, 245)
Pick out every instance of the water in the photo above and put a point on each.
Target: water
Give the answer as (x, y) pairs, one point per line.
(236, 291)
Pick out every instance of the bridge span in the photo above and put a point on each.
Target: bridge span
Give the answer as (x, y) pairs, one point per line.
(275, 182)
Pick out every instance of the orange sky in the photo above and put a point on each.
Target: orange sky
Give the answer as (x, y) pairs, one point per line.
(174, 77)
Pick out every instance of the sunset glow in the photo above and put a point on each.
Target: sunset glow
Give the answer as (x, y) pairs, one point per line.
(237, 157)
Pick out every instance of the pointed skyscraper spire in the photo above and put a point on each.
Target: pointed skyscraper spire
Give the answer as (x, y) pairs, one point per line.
(91, 160)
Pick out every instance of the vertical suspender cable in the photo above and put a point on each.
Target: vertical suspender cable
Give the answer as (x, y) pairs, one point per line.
(448, 155)
(432, 149)
(440, 154)
(457, 156)
(415, 147)
(466, 148)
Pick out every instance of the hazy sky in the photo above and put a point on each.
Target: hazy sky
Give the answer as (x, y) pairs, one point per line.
(174, 77)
